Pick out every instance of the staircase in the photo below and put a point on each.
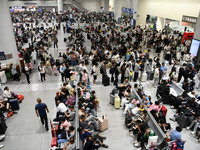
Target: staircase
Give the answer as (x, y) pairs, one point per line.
(75, 5)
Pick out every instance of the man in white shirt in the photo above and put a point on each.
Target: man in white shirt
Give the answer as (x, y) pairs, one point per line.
(61, 109)
(156, 76)
(41, 69)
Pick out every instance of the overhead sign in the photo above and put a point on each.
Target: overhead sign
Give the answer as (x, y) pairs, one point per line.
(189, 19)
(128, 10)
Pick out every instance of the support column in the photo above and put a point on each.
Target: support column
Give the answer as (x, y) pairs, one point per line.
(60, 6)
(7, 39)
(106, 5)
(117, 8)
(142, 12)
(197, 29)
(160, 23)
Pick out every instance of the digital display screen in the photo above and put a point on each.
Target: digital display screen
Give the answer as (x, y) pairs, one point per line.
(128, 10)
(194, 47)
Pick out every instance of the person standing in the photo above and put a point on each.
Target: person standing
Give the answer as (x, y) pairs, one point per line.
(14, 72)
(136, 70)
(40, 110)
(55, 40)
(41, 69)
(103, 71)
(64, 28)
(27, 72)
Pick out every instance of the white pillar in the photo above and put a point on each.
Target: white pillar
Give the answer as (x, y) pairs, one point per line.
(135, 7)
(197, 29)
(111, 5)
(106, 5)
(60, 5)
(142, 12)
(160, 23)
(117, 8)
(7, 39)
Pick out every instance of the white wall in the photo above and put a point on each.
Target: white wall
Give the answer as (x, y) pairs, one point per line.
(173, 9)
(91, 5)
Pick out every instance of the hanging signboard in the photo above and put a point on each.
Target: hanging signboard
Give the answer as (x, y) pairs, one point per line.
(189, 19)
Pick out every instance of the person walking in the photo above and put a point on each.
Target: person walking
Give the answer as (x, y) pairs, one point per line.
(55, 40)
(40, 110)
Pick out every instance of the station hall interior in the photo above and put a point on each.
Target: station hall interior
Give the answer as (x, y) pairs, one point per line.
(99, 74)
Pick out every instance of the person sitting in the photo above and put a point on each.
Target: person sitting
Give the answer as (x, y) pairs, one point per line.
(63, 94)
(66, 135)
(7, 94)
(155, 106)
(131, 105)
(144, 139)
(71, 99)
(139, 130)
(146, 101)
(65, 124)
(128, 97)
(196, 124)
(86, 124)
(61, 109)
(70, 144)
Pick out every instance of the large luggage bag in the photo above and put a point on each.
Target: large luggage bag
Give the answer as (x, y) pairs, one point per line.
(14, 104)
(117, 102)
(182, 121)
(3, 126)
(112, 98)
(54, 130)
(3, 77)
(144, 77)
(106, 81)
(54, 141)
(151, 75)
(103, 123)
(164, 110)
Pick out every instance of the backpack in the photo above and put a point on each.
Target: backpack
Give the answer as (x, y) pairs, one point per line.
(101, 69)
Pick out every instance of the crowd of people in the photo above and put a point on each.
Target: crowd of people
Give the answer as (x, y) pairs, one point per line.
(125, 54)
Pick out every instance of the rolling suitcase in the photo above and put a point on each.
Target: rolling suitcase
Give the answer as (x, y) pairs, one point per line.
(103, 123)
(152, 75)
(164, 110)
(54, 130)
(14, 104)
(106, 81)
(144, 77)
(3, 77)
(112, 97)
(3, 126)
(54, 141)
(117, 102)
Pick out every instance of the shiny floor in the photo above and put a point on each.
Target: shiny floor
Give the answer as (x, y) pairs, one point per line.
(25, 131)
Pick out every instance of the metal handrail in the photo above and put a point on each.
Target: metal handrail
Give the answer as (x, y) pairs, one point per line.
(152, 118)
(77, 122)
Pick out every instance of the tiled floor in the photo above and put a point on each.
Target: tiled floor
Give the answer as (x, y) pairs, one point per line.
(25, 131)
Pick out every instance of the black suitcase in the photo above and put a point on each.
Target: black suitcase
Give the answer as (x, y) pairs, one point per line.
(168, 57)
(182, 121)
(127, 119)
(3, 126)
(106, 81)
(14, 104)
(65, 39)
(152, 75)
(112, 98)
